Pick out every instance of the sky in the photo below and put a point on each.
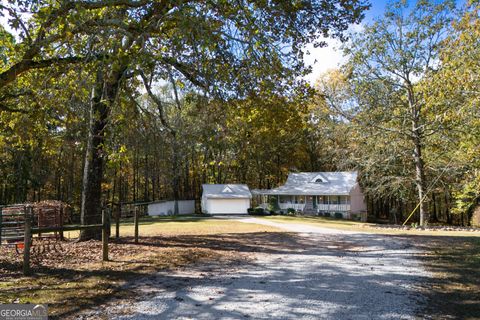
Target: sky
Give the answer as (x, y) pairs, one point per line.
(330, 57)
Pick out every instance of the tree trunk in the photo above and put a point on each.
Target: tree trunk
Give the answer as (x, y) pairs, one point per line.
(103, 95)
(176, 174)
(434, 218)
(417, 136)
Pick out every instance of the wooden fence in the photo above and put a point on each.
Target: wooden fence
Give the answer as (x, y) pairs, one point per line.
(16, 227)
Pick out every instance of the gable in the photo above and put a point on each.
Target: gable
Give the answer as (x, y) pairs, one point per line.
(227, 190)
(319, 179)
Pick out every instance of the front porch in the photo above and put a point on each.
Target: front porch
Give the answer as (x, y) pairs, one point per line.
(307, 204)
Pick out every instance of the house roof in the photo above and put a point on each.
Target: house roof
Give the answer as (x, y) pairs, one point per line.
(226, 191)
(316, 183)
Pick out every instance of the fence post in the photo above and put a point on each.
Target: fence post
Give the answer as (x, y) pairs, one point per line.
(62, 212)
(27, 241)
(106, 225)
(135, 221)
(1, 222)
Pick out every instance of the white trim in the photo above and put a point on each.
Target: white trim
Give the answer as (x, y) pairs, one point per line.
(227, 190)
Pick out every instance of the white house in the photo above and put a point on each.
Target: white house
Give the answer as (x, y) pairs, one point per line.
(324, 193)
(225, 198)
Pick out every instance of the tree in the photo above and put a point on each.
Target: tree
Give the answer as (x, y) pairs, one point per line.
(225, 49)
(387, 60)
(456, 85)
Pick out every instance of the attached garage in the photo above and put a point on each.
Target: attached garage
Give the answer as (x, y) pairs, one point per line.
(225, 198)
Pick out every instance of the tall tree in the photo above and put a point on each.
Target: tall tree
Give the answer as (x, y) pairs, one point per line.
(455, 89)
(223, 48)
(386, 62)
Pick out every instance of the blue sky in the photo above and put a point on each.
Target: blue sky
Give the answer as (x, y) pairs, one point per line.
(323, 59)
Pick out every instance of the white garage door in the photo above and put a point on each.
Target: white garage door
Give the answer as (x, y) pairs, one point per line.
(228, 206)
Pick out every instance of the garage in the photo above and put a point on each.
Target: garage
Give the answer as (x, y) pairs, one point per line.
(225, 198)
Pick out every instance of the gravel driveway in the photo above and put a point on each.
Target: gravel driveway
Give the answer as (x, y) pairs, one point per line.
(332, 275)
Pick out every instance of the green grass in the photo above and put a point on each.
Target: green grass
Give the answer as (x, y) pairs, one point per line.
(163, 226)
(180, 225)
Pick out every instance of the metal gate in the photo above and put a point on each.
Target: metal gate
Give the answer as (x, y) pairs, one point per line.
(12, 224)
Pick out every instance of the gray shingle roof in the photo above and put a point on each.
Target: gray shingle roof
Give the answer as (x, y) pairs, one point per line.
(303, 183)
(226, 191)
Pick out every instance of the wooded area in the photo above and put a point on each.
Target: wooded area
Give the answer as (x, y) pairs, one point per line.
(116, 101)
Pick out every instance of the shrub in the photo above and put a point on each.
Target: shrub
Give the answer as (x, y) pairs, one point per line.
(291, 211)
(273, 203)
(251, 211)
(338, 215)
(327, 214)
(356, 216)
(259, 211)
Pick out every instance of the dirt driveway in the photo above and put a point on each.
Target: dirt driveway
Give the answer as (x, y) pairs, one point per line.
(321, 274)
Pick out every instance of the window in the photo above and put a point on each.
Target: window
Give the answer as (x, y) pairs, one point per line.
(344, 200)
(285, 199)
(334, 199)
(319, 179)
(300, 199)
(322, 199)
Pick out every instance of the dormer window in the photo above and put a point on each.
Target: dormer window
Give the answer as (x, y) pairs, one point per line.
(319, 179)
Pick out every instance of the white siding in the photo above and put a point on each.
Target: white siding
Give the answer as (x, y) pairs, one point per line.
(225, 206)
(168, 208)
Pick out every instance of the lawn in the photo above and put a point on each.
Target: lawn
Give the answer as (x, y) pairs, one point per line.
(349, 225)
(186, 225)
(71, 277)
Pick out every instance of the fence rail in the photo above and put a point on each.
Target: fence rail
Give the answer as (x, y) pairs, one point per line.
(12, 223)
(295, 206)
(333, 207)
(17, 228)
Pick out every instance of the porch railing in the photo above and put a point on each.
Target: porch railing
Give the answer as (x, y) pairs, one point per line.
(333, 207)
(295, 206)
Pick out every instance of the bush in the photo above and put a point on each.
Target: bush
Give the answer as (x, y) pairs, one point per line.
(291, 211)
(327, 214)
(338, 215)
(259, 211)
(356, 217)
(250, 211)
(273, 204)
